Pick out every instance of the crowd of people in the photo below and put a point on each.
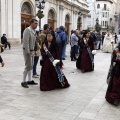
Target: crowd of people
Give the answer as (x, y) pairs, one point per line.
(49, 47)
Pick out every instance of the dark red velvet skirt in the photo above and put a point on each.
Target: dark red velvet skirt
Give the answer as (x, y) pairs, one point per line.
(49, 78)
(113, 91)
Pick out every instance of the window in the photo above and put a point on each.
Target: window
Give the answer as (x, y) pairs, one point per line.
(106, 23)
(103, 14)
(103, 23)
(98, 5)
(106, 14)
(105, 7)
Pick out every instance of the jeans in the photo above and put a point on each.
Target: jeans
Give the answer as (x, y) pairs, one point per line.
(36, 58)
(97, 45)
(64, 50)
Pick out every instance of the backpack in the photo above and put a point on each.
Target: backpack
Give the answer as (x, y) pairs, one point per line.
(58, 38)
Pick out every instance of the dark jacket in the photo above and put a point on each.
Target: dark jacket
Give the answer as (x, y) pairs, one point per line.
(3, 40)
(99, 37)
(63, 36)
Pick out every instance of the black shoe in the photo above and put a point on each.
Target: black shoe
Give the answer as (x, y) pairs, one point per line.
(24, 84)
(63, 59)
(31, 83)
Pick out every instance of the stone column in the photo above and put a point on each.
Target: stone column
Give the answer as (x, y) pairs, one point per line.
(61, 17)
(3, 18)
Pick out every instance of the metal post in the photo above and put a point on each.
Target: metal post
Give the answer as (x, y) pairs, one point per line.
(39, 24)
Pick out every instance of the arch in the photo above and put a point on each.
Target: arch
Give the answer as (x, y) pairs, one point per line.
(27, 13)
(52, 16)
(53, 12)
(31, 5)
(67, 18)
(98, 5)
(67, 23)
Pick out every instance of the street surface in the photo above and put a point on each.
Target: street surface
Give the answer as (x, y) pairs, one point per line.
(84, 100)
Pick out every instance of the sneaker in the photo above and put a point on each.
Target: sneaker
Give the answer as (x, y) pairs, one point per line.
(35, 76)
(24, 84)
(31, 83)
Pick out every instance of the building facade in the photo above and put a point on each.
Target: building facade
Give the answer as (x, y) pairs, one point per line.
(65, 12)
(15, 16)
(104, 11)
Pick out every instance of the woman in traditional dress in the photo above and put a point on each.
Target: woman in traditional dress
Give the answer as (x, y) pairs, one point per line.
(85, 61)
(49, 77)
(113, 91)
(108, 43)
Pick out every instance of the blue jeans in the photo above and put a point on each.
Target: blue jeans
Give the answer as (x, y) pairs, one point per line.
(36, 58)
(64, 50)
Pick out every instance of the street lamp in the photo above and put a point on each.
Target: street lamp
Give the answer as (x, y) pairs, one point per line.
(97, 26)
(79, 23)
(40, 5)
(97, 21)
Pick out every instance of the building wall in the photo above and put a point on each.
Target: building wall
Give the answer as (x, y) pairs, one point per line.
(98, 13)
(10, 15)
(63, 7)
(10, 18)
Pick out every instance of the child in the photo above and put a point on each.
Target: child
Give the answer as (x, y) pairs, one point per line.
(49, 77)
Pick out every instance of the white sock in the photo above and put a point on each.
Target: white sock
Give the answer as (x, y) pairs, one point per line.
(24, 76)
(30, 75)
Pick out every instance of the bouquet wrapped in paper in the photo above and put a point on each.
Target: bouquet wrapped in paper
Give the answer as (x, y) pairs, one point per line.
(55, 62)
(94, 52)
(112, 41)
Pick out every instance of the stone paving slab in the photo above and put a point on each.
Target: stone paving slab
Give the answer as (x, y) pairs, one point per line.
(84, 100)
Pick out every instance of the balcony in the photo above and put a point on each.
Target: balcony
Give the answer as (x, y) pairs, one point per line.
(105, 9)
(111, 1)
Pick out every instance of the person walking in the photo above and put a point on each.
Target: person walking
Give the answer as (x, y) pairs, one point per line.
(61, 40)
(115, 36)
(85, 61)
(74, 44)
(46, 28)
(37, 54)
(108, 43)
(113, 78)
(98, 41)
(65, 45)
(29, 37)
(49, 77)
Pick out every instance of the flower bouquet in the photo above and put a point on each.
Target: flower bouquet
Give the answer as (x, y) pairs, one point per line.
(94, 52)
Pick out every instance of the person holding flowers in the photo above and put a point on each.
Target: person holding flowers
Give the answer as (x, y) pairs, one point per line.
(85, 61)
(51, 76)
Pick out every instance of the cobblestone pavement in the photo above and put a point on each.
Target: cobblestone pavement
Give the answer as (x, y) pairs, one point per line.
(84, 100)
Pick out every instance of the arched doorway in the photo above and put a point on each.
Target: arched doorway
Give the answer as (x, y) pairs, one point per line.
(26, 16)
(51, 19)
(79, 23)
(67, 24)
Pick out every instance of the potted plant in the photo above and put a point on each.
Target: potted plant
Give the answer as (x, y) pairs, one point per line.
(40, 15)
